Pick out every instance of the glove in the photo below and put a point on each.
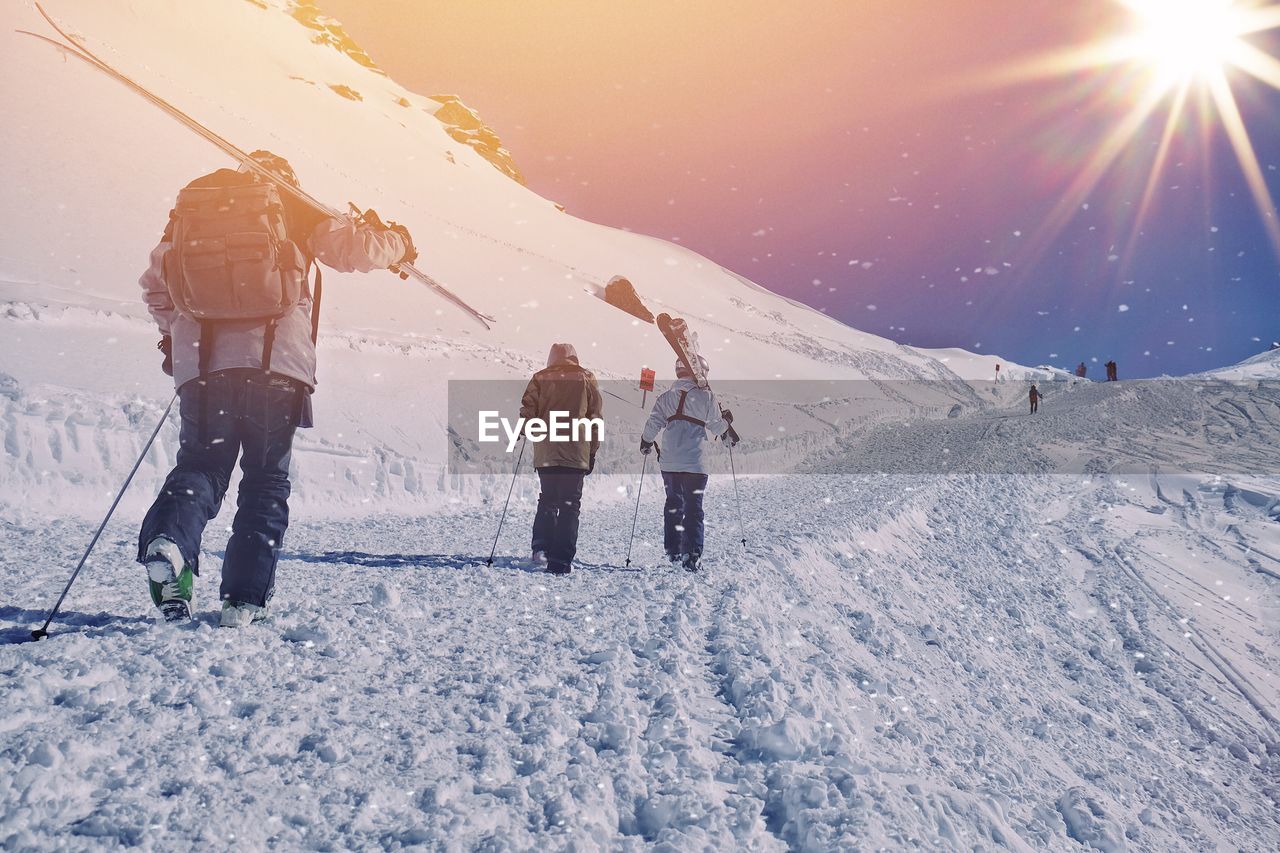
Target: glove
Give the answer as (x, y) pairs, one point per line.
(730, 437)
(727, 415)
(165, 345)
(591, 463)
(410, 251)
(371, 219)
(646, 446)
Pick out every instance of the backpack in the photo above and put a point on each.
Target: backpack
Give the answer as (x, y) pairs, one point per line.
(232, 258)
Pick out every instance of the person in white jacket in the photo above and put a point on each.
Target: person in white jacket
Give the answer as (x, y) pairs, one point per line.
(244, 387)
(687, 414)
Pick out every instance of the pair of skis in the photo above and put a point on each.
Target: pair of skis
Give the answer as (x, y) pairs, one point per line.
(74, 46)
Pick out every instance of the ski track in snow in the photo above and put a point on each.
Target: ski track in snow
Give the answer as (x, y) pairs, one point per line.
(961, 661)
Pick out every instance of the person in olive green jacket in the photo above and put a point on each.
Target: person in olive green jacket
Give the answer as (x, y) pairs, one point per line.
(567, 387)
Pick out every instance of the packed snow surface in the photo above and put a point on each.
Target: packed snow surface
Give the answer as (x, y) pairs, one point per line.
(949, 659)
(958, 661)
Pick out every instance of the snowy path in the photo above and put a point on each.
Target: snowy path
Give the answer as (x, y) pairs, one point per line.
(904, 672)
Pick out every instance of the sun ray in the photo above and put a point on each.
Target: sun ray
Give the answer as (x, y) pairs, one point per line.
(1058, 63)
(1176, 53)
(1258, 63)
(1094, 170)
(1233, 124)
(1176, 112)
(1259, 20)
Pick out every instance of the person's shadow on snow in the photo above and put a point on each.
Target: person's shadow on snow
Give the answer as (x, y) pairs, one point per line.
(67, 620)
(435, 561)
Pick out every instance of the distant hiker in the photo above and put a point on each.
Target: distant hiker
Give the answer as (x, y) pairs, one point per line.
(1035, 399)
(1081, 370)
(1111, 371)
(228, 288)
(687, 413)
(562, 386)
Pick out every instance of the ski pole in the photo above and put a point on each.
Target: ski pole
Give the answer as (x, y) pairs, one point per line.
(43, 630)
(507, 503)
(639, 491)
(737, 498)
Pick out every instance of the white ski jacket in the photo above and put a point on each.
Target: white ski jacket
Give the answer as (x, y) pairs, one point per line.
(684, 442)
(337, 243)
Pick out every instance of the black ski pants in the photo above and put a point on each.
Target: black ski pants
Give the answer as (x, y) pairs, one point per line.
(682, 533)
(555, 526)
(241, 413)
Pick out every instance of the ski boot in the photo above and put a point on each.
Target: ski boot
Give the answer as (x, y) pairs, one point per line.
(238, 614)
(172, 589)
(539, 560)
(691, 562)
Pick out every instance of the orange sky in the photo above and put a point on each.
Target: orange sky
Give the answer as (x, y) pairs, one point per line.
(825, 150)
(638, 99)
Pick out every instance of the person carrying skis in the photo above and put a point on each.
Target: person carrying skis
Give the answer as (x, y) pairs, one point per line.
(227, 287)
(687, 413)
(563, 385)
(1035, 398)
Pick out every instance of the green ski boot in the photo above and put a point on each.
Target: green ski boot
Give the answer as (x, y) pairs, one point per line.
(172, 589)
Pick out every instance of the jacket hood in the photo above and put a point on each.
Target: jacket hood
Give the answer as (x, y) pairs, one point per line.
(562, 354)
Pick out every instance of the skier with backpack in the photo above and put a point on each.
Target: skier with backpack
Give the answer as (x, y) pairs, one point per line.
(228, 288)
(563, 386)
(687, 412)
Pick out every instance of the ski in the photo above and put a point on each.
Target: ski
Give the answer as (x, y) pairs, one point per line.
(75, 47)
(685, 343)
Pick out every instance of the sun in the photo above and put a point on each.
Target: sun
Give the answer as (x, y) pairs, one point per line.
(1179, 58)
(1184, 41)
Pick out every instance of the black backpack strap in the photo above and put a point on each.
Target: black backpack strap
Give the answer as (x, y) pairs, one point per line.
(268, 343)
(202, 383)
(681, 416)
(315, 307)
(205, 347)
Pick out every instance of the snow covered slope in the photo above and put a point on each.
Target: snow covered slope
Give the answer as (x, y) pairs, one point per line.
(960, 662)
(90, 172)
(1264, 365)
(92, 186)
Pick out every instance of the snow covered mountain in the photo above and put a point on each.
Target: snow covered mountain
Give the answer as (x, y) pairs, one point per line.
(91, 171)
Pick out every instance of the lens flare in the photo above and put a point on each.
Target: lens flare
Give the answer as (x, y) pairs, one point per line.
(1178, 57)
(1186, 40)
